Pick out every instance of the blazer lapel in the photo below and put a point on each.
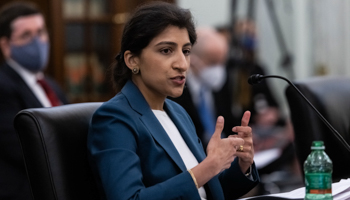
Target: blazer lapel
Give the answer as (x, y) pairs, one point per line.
(31, 100)
(213, 187)
(140, 105)
(186, 131)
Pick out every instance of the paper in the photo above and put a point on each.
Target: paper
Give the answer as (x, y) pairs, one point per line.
(340, 191)
(263, 158)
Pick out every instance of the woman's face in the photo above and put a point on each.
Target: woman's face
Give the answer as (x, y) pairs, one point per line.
(163, 64)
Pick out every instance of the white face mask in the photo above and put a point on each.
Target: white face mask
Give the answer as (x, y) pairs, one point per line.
(213, 77)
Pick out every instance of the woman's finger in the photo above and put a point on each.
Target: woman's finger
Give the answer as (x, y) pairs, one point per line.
(243, 131)
(219, 127)
(245, 118)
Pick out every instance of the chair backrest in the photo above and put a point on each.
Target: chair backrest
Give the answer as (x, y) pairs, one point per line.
(331, 97)
(54, 143)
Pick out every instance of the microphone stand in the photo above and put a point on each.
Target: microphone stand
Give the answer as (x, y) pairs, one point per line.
(335, 132)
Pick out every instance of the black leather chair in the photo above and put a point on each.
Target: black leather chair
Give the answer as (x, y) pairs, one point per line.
(54, 145)
(331, 96)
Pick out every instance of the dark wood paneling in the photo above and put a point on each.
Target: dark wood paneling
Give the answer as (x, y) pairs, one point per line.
(53, 13)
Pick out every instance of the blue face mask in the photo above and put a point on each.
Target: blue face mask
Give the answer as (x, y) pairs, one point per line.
(248, 42)
(32, 56)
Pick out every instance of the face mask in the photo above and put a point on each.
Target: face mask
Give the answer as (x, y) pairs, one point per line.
(248, 41)
(213, 77)
(32, 56)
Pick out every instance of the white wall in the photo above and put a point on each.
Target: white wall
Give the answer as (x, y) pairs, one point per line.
(208, 12)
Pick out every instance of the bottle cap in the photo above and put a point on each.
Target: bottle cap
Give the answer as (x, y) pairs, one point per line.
(317, 145)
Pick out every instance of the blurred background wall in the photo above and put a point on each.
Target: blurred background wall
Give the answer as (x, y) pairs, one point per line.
(85, 36)
(314, 33)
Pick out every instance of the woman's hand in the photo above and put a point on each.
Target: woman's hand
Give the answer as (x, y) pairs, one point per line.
(222, 152)
(245, 132)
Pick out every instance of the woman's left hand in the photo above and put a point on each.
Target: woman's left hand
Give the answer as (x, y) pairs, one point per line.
(246, 157)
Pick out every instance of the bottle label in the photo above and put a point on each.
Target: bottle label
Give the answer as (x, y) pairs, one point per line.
(318, 183)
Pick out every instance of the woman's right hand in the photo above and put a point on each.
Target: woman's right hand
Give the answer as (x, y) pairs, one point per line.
(220, 155)
(222, 151)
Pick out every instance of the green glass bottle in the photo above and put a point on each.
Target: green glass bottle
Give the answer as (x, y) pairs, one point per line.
(318, 169)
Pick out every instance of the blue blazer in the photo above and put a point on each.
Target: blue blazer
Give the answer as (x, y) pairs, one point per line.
(133, 157)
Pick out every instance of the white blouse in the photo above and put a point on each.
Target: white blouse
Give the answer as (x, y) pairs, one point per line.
(179, 143)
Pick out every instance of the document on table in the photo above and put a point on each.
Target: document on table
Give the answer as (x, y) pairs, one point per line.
(265, 157)
(340, 191)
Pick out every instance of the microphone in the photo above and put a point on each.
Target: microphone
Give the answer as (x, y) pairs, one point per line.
(257, 78)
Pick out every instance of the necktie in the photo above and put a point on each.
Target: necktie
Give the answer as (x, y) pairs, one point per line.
(206, 115)
(49, 92)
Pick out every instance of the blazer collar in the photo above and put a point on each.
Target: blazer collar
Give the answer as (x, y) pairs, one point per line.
(187, 131)
(135, 98)
(140, 105)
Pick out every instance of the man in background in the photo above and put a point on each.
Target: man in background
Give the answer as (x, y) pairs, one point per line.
(272, 130)
(24, 43)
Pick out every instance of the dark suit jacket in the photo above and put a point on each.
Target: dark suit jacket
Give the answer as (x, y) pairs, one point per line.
(15, 95)
(134, 158)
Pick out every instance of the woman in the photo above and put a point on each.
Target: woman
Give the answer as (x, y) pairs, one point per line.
(143, 145)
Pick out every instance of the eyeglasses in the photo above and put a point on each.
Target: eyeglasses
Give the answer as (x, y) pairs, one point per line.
(28, 36)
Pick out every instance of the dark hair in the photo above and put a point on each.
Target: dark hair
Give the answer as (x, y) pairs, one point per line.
(146, 23)
(11, 12)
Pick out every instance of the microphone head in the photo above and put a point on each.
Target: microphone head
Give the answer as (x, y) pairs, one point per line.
(255, 79)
